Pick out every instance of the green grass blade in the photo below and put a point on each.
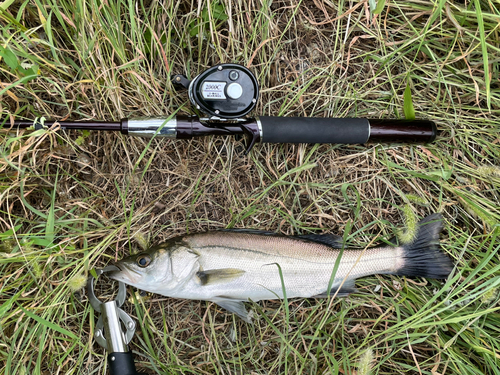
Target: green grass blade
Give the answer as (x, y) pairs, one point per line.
(409, 111)
(48, 324)
(484, 49)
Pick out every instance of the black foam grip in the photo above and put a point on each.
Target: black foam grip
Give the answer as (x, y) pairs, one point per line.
(121, 364)
(314, 130)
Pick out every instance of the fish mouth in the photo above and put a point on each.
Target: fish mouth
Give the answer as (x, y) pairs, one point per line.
(121, 272)
(111, 268)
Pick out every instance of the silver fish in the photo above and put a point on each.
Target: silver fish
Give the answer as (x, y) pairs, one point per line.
(230, 267)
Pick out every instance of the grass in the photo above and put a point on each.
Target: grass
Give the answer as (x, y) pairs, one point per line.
(71, 201)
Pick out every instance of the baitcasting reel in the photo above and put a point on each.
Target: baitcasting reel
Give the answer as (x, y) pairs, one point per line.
(226, 91)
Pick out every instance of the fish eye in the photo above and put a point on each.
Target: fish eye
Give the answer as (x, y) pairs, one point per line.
(143, 260)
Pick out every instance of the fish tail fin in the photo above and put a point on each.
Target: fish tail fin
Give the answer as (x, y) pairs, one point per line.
(423, 257)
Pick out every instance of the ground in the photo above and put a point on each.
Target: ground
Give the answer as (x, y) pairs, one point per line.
(71, 201)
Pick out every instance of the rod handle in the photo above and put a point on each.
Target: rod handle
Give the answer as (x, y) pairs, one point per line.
(314, 130)
(121, 364)
(421, 131)
(344, 130)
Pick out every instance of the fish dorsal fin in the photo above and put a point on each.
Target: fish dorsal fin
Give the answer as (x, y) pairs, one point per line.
(347, 288)
(326, 239)
(252, 231)
(394, 241)
(220, 275)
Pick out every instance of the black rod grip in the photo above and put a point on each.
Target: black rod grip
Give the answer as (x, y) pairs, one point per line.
(121, 364)
(314, 130)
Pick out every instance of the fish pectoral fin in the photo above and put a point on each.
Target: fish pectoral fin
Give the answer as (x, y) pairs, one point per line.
(222, 275)
(236, 307)
(347, 288)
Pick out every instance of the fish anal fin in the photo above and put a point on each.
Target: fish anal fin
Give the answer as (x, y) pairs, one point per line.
(347, 288)
(332, 240)
(236, 307)
(221, 275)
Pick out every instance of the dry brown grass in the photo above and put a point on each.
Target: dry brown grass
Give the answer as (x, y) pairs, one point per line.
(93, 200)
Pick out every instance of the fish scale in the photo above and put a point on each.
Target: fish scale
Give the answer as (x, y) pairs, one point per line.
(302, 277)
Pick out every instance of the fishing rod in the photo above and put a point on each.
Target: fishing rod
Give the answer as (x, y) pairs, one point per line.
(226, 93)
